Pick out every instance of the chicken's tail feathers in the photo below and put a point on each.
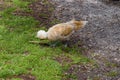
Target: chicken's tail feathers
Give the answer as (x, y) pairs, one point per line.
(79, 24)
(84, 23)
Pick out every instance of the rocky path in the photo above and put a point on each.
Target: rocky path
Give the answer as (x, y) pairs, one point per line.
(101, 36)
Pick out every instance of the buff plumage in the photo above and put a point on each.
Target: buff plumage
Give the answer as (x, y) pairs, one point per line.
(61, 31)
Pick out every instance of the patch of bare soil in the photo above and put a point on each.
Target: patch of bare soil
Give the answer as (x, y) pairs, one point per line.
(62, 59)
(41, 10)
(91, 72)
(4, 5)
(26, 77)
(23, 77)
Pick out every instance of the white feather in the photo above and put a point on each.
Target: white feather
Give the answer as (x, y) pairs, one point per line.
(41, 34)
(85, 22)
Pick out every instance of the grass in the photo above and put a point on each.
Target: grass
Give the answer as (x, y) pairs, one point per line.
(18, 56)
(112, 73)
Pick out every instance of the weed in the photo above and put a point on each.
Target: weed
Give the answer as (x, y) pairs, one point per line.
(112, 73)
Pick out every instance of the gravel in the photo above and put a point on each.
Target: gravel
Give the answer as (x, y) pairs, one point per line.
(102, 33)
(101, 36)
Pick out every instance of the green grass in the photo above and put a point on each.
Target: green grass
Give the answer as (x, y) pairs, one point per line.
(112, 73)
(18, 56)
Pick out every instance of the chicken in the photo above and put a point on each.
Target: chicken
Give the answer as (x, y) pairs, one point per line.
(61, 31)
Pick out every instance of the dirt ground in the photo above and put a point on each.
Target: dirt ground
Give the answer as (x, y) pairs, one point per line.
(100, 37)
